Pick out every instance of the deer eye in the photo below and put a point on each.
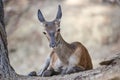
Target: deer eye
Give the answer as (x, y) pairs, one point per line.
(44, 33)
(58, 30)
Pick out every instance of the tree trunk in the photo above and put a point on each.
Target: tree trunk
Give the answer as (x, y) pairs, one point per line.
(6, 71)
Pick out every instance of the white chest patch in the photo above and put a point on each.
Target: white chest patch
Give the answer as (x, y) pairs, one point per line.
(58, 64)
(73, 60)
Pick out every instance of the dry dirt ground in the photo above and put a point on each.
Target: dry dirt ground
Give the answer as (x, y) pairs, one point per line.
(91, 22)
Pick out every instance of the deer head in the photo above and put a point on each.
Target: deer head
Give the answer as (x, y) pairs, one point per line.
(52, 28)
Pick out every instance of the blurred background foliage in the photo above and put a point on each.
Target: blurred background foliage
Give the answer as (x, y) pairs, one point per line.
(94, 23)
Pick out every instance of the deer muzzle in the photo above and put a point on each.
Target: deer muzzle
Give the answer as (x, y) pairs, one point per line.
(52, 40)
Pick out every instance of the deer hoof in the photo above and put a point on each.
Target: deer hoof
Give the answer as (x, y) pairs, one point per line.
(47, 73)
(33, 73)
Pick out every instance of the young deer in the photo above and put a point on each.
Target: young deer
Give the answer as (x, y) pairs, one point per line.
(65, 58)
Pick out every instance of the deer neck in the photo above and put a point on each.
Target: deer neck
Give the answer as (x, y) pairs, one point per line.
(61, 43)
(63, 49)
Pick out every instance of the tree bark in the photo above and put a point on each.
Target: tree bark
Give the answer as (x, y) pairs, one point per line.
(6, 71)
(111, 70)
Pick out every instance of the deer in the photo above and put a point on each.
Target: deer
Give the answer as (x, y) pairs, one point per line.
(65, 58)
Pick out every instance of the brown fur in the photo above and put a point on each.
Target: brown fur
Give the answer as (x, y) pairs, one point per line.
(64, 51)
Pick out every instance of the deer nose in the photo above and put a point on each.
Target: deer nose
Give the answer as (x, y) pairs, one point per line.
(52, 45)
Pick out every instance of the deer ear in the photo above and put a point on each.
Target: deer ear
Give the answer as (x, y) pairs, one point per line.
(59, 13)
(40, 16)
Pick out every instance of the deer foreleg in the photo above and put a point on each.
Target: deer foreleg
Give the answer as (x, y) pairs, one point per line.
(53, 70)
(45, 66)
(50, 72)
